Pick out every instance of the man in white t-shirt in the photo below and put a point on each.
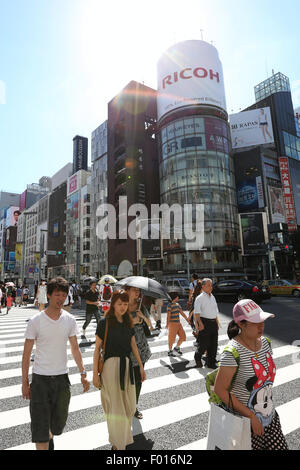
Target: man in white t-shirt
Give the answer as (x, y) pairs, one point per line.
(49, 391)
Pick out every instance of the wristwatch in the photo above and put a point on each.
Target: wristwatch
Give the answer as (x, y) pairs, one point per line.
(83, 372)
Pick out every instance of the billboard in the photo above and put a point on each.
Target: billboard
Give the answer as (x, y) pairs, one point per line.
(72, 184)
(288, 197)
(276, 205)
(23, 197)
(251, 128)
(254, 233)
(250, 194)
(295, 179)
(151, 239)
(248, 177)
(12, 216)
(189, 73)
(80, 153)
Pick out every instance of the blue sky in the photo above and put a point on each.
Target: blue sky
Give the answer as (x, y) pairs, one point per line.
(63, 60)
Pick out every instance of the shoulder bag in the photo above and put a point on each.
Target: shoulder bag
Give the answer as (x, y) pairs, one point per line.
(102, 352)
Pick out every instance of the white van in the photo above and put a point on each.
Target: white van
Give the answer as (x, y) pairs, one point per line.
(180, 285)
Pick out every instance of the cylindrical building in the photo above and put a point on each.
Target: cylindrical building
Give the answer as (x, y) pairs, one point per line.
(194, 151)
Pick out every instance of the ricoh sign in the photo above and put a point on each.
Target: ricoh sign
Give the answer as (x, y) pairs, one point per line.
(190, 73)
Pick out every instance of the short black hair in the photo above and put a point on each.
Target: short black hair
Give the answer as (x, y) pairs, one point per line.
(173, 295)
(58, 283)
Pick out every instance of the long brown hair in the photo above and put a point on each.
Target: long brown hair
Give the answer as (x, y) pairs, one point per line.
(110, 314)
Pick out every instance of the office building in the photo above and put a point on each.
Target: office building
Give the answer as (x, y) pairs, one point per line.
(196, 166)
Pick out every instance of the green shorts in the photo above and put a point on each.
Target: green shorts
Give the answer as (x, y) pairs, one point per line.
(49, 405)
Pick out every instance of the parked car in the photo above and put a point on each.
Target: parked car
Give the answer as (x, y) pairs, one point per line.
(180, 285)
(283, 287)
(239, 289)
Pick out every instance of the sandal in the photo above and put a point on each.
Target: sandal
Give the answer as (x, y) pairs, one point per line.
(138, 414)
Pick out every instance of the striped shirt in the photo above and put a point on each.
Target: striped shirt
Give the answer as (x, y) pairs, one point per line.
(174, 312)
(253, 383)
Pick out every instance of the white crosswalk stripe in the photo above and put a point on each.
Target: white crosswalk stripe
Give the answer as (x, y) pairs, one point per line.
(173, 393)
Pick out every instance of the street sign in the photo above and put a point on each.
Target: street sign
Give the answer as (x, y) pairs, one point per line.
(50, 252)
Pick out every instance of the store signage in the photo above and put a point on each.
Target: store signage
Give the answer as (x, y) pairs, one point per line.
(288, 198)
(187, 73)
(72, 184)
(199, 80)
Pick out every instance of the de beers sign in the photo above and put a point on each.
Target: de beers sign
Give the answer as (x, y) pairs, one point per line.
(190, 73)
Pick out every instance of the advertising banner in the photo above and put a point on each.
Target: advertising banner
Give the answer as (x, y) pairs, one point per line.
(254, 233)
(295, 180)
(19, 248)
(276, 205)
(72, 184)
(12, 216)
(23, 197)
(151, 239)
(251, 128)
(288, 197)
(216, 133)
(250, 194)
(190, 73)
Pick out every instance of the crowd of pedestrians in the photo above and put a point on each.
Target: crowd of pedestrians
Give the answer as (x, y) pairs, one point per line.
(122, 349)
(12, 296)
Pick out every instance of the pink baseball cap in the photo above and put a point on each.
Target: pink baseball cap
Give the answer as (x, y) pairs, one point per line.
(247, 309)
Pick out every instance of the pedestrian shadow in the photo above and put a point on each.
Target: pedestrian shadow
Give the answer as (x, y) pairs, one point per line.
(86, 344)
(140, 440)
(179, 368)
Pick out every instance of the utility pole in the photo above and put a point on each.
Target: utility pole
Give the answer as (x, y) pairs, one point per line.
(41, 253)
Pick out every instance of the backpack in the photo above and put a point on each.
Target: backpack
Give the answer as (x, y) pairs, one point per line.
(211, 376)
(106, 295)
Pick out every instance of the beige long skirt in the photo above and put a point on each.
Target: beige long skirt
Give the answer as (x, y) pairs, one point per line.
(119, 405)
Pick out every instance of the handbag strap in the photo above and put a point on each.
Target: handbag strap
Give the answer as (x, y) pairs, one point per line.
(105, 336)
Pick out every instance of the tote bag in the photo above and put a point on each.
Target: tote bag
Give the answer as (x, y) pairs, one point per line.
(228, 431)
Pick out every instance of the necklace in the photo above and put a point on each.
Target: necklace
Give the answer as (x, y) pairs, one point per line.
(251, 349)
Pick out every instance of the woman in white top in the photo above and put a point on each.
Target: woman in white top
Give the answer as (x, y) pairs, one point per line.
(69, 300)
(247, 387)
(263, 125)
(41, 296)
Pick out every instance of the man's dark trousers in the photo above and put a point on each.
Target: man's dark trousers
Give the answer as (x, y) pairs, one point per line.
(207, 341)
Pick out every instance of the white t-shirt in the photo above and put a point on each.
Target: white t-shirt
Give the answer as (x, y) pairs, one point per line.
(206, 306)
(51, 338)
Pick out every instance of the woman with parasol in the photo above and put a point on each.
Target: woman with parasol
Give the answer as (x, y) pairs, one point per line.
(137, 286)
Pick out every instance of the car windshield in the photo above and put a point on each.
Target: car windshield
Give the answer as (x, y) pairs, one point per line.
(183, 282)
(286, 283)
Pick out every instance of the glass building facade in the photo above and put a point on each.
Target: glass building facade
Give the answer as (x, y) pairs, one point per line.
(277, 82)
(196, 167)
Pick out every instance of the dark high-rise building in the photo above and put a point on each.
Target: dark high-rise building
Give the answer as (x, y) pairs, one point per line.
(57, 231)
(80, 153)
(132, 166)
(267, 168)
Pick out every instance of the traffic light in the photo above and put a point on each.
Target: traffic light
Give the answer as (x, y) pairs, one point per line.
(59, 252)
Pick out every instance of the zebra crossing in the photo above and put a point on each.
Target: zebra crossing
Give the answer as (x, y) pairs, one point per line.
(173, 399)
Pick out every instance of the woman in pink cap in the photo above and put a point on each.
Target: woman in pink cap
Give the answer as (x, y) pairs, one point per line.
(247, 387)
